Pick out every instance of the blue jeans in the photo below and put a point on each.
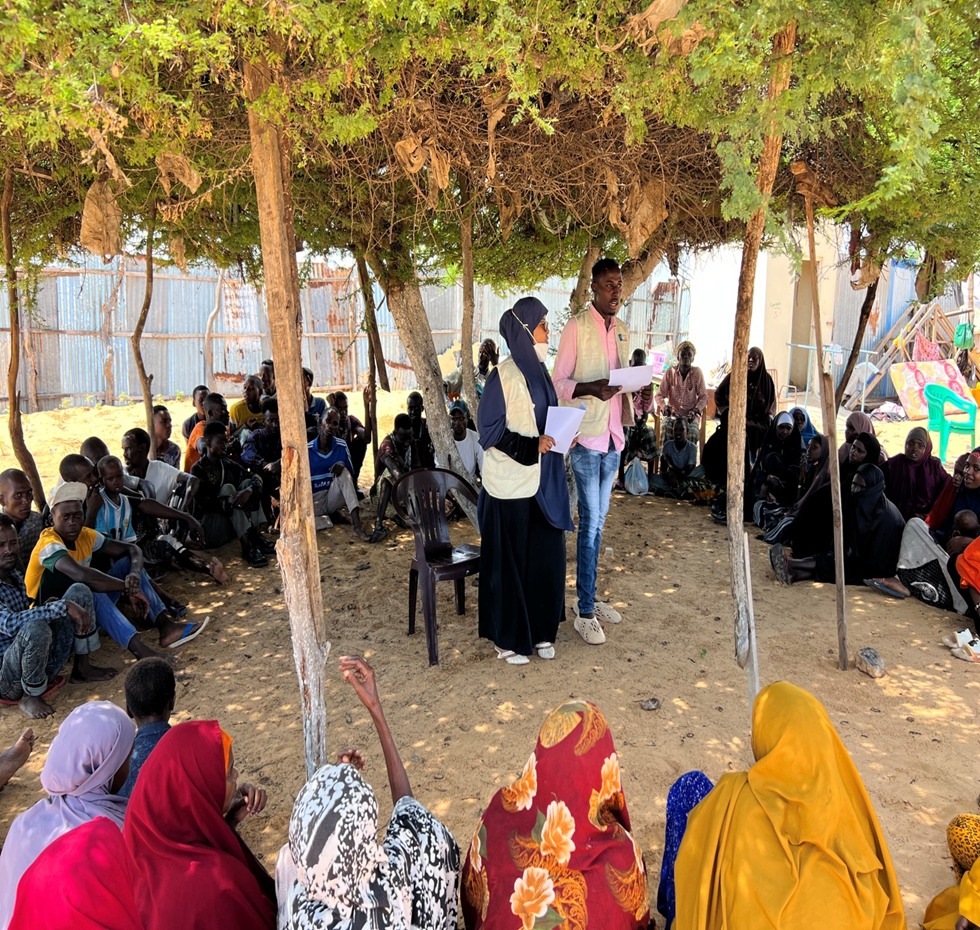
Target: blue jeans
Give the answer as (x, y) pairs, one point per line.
(594, 473)
(107, 615)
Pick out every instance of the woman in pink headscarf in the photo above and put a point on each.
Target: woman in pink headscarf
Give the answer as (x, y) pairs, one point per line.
(87, 763)
(858, 422)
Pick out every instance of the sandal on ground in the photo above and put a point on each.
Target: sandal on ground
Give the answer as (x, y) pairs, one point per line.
(780, 564)
(958, 639)
(188, 635)
(588, 628)
(606, 614)
(511, 657)
(545, 650)
(380, 532)
(879, 585)
(57, 683)
(969, 652)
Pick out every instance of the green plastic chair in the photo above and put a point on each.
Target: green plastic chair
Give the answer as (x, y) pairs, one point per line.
(937, 397)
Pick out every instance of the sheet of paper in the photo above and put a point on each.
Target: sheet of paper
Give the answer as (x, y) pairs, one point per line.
(562, 425)
(631, 379)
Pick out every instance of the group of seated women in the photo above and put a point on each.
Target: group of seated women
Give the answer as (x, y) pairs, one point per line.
(792, 841)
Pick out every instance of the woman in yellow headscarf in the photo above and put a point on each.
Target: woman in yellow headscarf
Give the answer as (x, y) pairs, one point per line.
(958, 907)
(794, 841)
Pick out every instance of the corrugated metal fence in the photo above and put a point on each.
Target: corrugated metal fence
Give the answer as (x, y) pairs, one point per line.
(209, 327)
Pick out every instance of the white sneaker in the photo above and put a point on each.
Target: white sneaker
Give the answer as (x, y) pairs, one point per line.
(606, 614)
(588, 628)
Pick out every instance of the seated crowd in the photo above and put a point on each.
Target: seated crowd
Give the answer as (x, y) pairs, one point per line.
(139, 831)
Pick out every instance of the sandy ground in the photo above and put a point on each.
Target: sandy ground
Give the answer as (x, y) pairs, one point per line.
(466, 726)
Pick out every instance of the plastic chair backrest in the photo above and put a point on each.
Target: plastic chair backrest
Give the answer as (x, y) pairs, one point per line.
(938, 395)
(420, 498)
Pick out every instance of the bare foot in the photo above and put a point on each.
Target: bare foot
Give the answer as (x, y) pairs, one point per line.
(35, 707)
(894, 584)
(84, 670)
(139, 649)
(171, 633)
(359, 532)
(217, 571)
(13, 758)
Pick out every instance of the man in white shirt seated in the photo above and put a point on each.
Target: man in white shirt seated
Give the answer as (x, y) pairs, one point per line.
(468, 448)
(168, 485)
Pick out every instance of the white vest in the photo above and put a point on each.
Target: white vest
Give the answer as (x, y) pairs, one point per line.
(504, 478)
(592, 364)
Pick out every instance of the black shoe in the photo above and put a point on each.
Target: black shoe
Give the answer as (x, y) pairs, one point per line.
(254, 556)
(268, 546)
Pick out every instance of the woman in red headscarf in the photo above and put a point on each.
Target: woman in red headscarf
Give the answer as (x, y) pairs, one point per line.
(93, 873)
(555, 847)
(193, 870)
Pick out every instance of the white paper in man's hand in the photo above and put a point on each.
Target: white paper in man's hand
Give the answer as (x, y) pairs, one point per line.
(631, 379)
(562, 425)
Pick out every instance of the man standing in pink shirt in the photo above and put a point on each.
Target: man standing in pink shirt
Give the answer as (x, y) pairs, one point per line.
(592, 344)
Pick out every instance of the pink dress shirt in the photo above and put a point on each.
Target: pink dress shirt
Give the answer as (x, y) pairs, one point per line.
(565, 386)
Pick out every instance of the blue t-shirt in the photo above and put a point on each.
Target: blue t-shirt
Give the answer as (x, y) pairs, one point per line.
(115, 521)
(321, 465)
(317, 409)
(147, 736)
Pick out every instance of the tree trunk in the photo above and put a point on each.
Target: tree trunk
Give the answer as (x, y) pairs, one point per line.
(146, 381)
(637, 270)
(371, 323)
(33, 400)
(782, 47)
(107, 365)
(580, 296)
(14, 422)
(405, 303)
(297, 548)
(209, 330)
(469, 309)
(866, 305)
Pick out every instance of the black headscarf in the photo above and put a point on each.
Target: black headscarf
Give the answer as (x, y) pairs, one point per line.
(759, 400)
(876, 525)
(517, 326)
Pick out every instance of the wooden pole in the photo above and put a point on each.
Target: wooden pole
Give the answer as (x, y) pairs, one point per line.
(783, 44)
(371, 322)
(146, 380)
(752, 664)
(469, 301)
(14, 422)
(297, 548)
(828, 406)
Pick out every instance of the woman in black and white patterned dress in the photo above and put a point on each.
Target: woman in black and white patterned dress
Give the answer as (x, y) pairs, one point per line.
(335, 875)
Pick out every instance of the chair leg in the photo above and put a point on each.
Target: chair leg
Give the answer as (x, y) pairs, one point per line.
(460, 596)
(413, 587)
(429, 612)
(943, 441)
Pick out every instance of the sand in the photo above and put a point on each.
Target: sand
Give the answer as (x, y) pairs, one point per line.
(467, 726)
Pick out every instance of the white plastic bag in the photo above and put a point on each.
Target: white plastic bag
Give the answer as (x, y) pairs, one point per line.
(635, 479)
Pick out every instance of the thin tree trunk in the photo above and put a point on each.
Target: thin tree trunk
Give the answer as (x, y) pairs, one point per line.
(866, 305)
(829, 408)
(371, 322)
(146, 381)
(33, 400)
(782, 47)
(372, 409)
(469, 304)
(405, 303)
(107, 365)
(209, 330)
(297, 548)
(14, 422)
(637, 270)
(580, 296)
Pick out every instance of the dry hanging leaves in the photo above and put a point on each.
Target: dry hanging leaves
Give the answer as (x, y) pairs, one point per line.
(178, 253)
(177, 167)
(637, 217)
(101, 221)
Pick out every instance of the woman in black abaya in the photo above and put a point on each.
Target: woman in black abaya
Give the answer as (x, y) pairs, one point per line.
(523, 507)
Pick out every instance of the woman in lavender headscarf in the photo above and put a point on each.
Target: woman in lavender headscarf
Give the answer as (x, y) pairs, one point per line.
(87, 763)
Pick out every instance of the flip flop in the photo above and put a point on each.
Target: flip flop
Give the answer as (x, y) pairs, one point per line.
(777, 559)
(187, 636)
(56, 685)
(884, 589)
(957, 639)
(969, 652)
(511, 658)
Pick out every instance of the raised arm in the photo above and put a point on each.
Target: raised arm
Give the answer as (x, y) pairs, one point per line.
(360, 675)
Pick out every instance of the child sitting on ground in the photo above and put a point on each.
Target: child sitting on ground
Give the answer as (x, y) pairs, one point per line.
(151, 691)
